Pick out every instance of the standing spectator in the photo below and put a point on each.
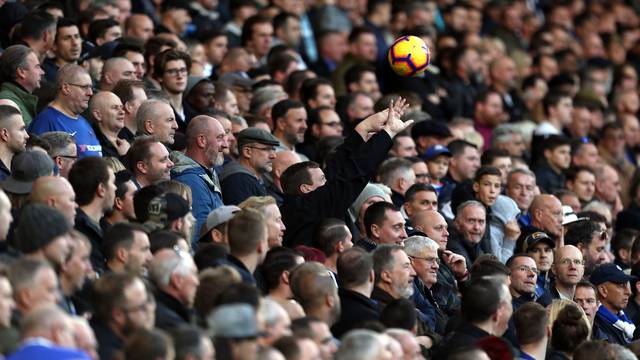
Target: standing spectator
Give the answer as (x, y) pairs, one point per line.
(15, 139)
(206, 142)
(74, 273)
(540, 247)
(419, 197)
(613, 293)
(74, 89)
(149, 162)
(176, 277)
(242, 179)
(557, 158)
(21, 73)
(531, 323)
(289, 124)
(171, 69)
(67, 48)
(586, 297)
(247, 234)
(547, 217)
(521, 186)
(393, 274)
(131, 94)
(156, 117)
(523, 277)
(266, 205)
(257, 34)
(470, 224)
(107, 115)
(568, 332)
(63, 150)
(333, 238)
(589, 237)
(568, 270)
(384, 224)
(94, 184)
(127, 249)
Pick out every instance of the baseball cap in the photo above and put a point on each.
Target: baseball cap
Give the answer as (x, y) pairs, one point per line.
(218, 216)
(569, 216)
(535, 238)
(434, 151)
(26, 167)
(610, 272)
(256, 135)
(165, 208)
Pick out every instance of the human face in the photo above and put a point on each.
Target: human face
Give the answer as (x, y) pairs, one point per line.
(487, 189)
(569, 267)
(292, 33)
(404, 147)
(7, 304)
(491, 111)
(228, 131)
(318, 178)
(126, 71)
(66, 159)
(436, 228)
(139, 96)
(368, 84)
(174, 78)
(295, 125)
(127, 201)
(550, 215)
(609, 185)
(165, 125)
(79, 93)
(216, 49)
(466, 164)
(401, 275)
(325, 97)
(617, 295)
(422, 200)
(68, 44)
(158, 166)
(563, 111)
(324, 339)
(46, 292)
(426, 265)
(141, 27)
(421, 172)
(17, 134)
(111, 34)
(543, 256)
(584, 185)
(560, 157)
(330, 124)
(587, 156)
(181, 19)
(275, 226)
(261, 39)
(595, 254)
(216, 144)
(78, 267)
(524, 274)
(137, 60)
(190, 283)
(32, 73)
(471, 223)
(109, 191)
(365, 47)
(504, 165)
(585, 297)
(139, 255)
(230, 105)
(57, 251)
(438, 167)
(516, 146)
(521, 188)
(262, 157)
(201, 96)
(111, 114)
(136, 309)
(391, 231)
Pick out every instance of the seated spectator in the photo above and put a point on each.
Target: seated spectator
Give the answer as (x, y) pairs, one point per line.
(235, 330)
(437, 159)
(398, 175)
(470, 224)
(156, 118)
(74, 89)
(315, 289)
(393, 278)
(547, 217)
(192, 342)
(568, 332)
(419, 197)
(312, 328)
(84, 337)
(586, 297)
(26, 167)
(148, 344)
(21, 72)
(34, 284)
(214, 229)
(131, 94)
(557, 158)
(126, 248)
(149, 162)
(540, 247)
(266, 205)
(247, 234)
(361, 344)
(107, 117)
(75, 272)
(589, 237)
(582, 181)
(276, 321)
(63, 150)
(568, 269)
(15, 140)
(169, 211)
(333, 238)
(57, 193)
(532, 330)
(122, 210)
(43, 234)
(611, 323)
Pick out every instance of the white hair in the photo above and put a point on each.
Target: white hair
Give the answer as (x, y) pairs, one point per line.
(164, 266)
(414, 245)
(360, 344)
(272, 312)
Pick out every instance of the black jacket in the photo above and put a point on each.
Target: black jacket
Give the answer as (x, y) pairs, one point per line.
(93, 231)
(109, 344)
(347, 173)
(355, 310)
(461, 246)
(238, 184)
(465, 335)
(548, 180)
(170, 312)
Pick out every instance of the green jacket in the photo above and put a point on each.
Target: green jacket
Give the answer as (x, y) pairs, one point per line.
(26, 102)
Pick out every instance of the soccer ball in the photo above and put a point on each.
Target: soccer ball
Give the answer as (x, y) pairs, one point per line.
(409, 56)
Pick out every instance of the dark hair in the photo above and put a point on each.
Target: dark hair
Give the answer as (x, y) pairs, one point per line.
(140, 150)
(488, 267)
(277, 261)
(552, 99)
(302, 327)
(355, 72)
(119, 235)
(376, 214)
(128, 44)
(63, 23)
(279, 62)
(581, 232)
(124, 89)
(282, 107)
(328, 233)
(141, 200)
(86, 175)
(153, 46)
(358, 31)
(383, 258)
(486, 171)
(296, 175)
(354, 266)
(280, 20)
(245, 231)
(247, 27)
(572, 173)
(97, 28)
(400, 313)
(490, 155)
(414, 189)
(457, 147)
(187, 340)
(309, 88)
(288, 347)
(569, 329)
(161, 60)
(481, 298)
(148, 344)
(242, 293)
(164, 239)
(554, 141)
(109, 293)
(483, 95)
(513, 258)
(530, 321)
(35, 23)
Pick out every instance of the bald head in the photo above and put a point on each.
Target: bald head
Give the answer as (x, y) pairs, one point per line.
(206, 141)
(283, 160)
(114, 70)
(543, 201)
(55, 192)
(433, 225)
(568, 266)
(546, 214)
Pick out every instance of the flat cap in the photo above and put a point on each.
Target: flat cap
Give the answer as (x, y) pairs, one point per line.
(256, 135)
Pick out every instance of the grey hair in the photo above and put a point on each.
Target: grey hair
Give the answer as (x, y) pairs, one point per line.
(69, 73)
(521, 171)
(622, 353)
(59, 141)
(161, 270)
(468, 203)
(265, 97)
(503, 134)
(414, 245)
(13, 57)
(383, 258)
(272, 311)
(393, 168)
(43, 318)
(360, 344)
(148, 110)
(238, 120)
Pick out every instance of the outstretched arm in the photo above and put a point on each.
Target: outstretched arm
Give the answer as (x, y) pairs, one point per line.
(388, 120)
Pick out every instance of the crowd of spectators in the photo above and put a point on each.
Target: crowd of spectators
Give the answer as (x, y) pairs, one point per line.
(250, 180)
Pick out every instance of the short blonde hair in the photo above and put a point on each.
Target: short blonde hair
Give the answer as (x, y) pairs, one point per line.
(258, 203)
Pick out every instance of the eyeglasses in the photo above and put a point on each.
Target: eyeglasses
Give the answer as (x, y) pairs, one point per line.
(576, 262)
(83, 87)
(422, 176)
(175, 72)
(430, 260)
(267, 149)
(69, 157)
(526, 269)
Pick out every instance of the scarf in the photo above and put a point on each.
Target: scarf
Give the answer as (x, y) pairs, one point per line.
(620, 322)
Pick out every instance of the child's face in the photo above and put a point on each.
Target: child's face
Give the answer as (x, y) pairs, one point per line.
(438, 167)
(559, 157)
(487, 189)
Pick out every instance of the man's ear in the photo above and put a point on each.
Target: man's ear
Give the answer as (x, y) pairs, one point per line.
(375, 230)
(142, 167)
(385, 276)
(148, 126)
(4, 136)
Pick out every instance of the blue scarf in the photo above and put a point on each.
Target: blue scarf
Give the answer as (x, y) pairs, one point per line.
(620, 322)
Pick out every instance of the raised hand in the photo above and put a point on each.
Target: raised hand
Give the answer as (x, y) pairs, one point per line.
(394, 123)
